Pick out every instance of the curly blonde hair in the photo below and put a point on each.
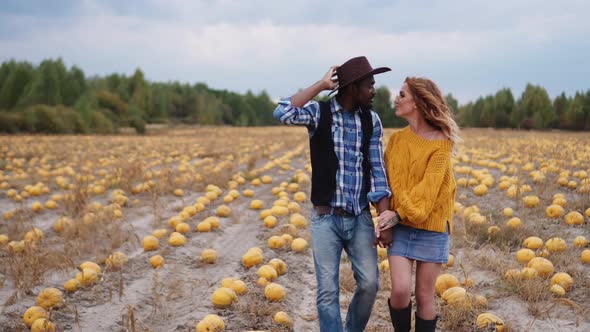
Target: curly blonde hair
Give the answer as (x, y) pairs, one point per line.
(434, 107)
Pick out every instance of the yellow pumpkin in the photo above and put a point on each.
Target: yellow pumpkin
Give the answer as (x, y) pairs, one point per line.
(298, 220)
(274, 292)
(508, 212)
(279, 211)
(176, 239)
(270, 221)
(49, 298)
(543, 266)
(450, 260)
(279, 265)
(512, 274)
(528, 273)
(256, 204)
(87, 277)
(216, 320)
(262, 282)
(150, 243)
(554, 211)
(580, 241)
(585, 256)
(183, 228)
(223, 211)
(205, 326)
(252, 258)
(116, 260)
(456, 296)
(480, 190)
(530, 201)
(236, 285)
(444, 282)
(299, 245)
(72, 285)
(209, 256)
(203, 227)
(514, 223)
(557, 290)
(160, 233)
(493, 230)
(90, 265)
(268, 272)
(556, 244)
(34, 313)
(294, 207)
(282, 318)
(42, 325)
(300, 197)
(486, 320)
(574, 218)
(523, 256)
(223, 297)
(562, 279)
(533, 242)
(276, 242)
(157, 261)
(248, 193)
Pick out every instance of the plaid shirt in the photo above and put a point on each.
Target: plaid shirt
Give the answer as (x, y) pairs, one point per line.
(347, 134)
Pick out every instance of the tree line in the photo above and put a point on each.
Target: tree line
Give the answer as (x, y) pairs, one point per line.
(51, 98)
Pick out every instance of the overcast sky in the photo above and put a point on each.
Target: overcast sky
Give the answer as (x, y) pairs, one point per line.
(469, 47)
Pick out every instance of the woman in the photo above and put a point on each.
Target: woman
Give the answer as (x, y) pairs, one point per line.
(418, 164)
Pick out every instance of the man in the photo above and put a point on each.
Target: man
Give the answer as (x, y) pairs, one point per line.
(347, 172)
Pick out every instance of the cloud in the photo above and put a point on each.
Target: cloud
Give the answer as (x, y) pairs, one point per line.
(471, 47)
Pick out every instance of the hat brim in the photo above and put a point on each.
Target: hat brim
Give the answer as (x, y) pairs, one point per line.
(373, 72)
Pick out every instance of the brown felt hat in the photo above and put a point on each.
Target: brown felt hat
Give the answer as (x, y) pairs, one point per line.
(356, 69)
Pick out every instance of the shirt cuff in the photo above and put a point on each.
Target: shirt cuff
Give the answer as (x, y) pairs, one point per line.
(376, 196)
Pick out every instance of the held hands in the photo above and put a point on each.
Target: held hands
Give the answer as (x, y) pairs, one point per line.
(384, 232)
(330, 80)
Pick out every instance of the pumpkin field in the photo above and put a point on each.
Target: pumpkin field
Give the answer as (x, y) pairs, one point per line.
(207, 229)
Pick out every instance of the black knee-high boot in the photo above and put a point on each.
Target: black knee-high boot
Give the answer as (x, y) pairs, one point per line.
(401, 319)
(423, 325)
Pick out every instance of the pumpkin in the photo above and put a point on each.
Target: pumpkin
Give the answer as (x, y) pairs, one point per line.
(298, 220)
(279, 211)
(444, 282)
(282, 318)
(300, 197)
(528, 273)
(157, 261)
(562, 279)
(270, 221)
(508, 212)
(274, 292)
(279, 265)
(480, 190)
(543, 266)
(276, 242)
(493, 230)
(533, 242)
(268, 272)
(62, 223)
(456, 296)
(216, 320)
(293, 207)
(486, 320)
(450, 260)
(42, 325)
(512, 274)
(34, 313)
(585, 256)
(90, 265)
(150, 243)
(116, 260)
(587, 212)
(468, 282)
(557, 290)
(530, 201)
(252, 258)
(299, 245)
(514, 223)
(36, 207)
(580, 241)
(236, 285)
(248, 193)
(209, 256)
(87, 276)
(288, 238)
(523, 256)
(72, 285)
(223, 211)
(262, 282)
(556, 244)
(265, 213)
(574, 218)
(176, 239)
(159, 233)
(554, 211)
(223, 297)
(49, 298)
(256, 204)
(34, 235)
(178, 192)
(205, 326)
(203, 227)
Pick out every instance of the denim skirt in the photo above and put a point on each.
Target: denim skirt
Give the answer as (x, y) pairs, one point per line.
(419, 244)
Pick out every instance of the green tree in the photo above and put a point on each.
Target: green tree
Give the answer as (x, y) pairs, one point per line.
(533, 108)
(504, 106)
(18, 77)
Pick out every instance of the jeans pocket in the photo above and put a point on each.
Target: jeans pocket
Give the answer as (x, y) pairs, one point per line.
(367, 219)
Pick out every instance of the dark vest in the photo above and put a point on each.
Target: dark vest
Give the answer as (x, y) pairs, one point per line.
(324, 162)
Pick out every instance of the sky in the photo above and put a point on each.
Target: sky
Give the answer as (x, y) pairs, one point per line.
(470, 48)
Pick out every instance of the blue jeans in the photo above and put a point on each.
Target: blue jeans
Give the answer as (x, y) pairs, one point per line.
(330, 234)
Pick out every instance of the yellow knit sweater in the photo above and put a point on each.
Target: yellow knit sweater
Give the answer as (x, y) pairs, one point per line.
(421, 178)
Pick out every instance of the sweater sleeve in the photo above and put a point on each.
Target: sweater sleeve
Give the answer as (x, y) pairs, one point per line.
(416, 204)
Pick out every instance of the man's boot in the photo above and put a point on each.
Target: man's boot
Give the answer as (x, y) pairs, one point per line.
(423, 325)
(401, 319)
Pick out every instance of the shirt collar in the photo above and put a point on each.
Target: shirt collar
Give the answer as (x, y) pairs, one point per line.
(335, 106)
